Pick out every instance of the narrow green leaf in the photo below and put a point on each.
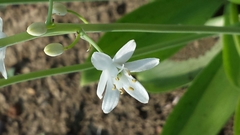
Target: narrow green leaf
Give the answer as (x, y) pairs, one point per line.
(173, 74)
(234, 19)
(235, 1)
(157, 12)
(207, 104)
(236, 128)
(231, 59)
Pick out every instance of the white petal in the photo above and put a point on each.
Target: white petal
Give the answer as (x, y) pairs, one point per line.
(3, 69)
(1, 24)
(2, 65)
(134, 88)
(102, 84)
(2, 35)
(110, 99)
(125, 53)
(138, 92)
(101, 61)
(142, 65)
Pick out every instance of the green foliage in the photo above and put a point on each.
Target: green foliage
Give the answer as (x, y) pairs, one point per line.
(235, 1)
(231, 59)
(157, 12)
(173, 74)
(207, 104)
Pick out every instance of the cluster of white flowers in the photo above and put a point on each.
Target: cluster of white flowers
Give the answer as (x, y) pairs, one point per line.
(116, 77)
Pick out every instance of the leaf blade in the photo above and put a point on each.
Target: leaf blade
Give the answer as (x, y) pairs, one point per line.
(207, 104)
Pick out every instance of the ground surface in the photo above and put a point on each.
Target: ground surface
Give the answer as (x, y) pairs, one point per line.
(57, 105)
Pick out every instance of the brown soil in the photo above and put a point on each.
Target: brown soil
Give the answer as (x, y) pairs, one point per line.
(57, 105)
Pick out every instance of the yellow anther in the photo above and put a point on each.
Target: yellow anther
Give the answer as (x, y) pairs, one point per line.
(134, 80)
(128, 72)
(117, 78)
(114, 87)
(121, 91)
(131, 88)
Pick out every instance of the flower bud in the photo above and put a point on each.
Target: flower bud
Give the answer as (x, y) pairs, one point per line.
(54, 49)
(59, 9)
(37, 29)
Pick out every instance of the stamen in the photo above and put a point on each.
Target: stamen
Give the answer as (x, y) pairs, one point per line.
(128, 72)
(134, 80)
(114, 87)
(121, 91)
(131, 88)
(117, 78)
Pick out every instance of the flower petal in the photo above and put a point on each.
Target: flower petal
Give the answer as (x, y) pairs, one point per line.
(2, 65)
(3, 69)
(137, 91)
(110, 99)
(125, 53)
(134, 88)
(1, 24)
(101, 61)
(142, 65)
(102, 84)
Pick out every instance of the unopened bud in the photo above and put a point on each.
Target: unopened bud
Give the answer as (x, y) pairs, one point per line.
(54, 49)
(37, 29)
(59, 9)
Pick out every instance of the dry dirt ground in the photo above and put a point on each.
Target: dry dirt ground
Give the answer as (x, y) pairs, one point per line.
(57, 105)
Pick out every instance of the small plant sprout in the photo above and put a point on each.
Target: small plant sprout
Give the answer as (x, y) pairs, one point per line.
(54, 49)
(37, 29)
(116, 76)
(2, 52)
(59, 9)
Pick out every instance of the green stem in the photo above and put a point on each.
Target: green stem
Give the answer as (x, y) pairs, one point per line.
(67, 28)
(45, 73)
(87, 38)
(49, 17)
(34, 1)
(79, 16)
(73, 43)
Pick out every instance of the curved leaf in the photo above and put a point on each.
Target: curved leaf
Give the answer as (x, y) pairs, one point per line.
(231, 59)
(207, 104)
(173, 74)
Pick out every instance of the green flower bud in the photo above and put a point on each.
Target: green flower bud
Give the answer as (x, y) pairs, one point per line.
(59, 9)
(37, 29)
(54, 49)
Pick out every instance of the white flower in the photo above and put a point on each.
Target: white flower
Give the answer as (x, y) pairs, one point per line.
(2, 52)
(116, 77)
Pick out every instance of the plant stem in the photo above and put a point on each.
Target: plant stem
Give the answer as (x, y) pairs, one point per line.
(87, 38)
(79, 16)
(73, 43)
(34, 1)
(49, 17)
(45, 73)
(67, 28)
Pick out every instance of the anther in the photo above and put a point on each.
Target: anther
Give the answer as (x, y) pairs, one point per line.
(121, 91)
(128, 72)
(131, 88)
(114, 87)
(117, 78)
(134, 80)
